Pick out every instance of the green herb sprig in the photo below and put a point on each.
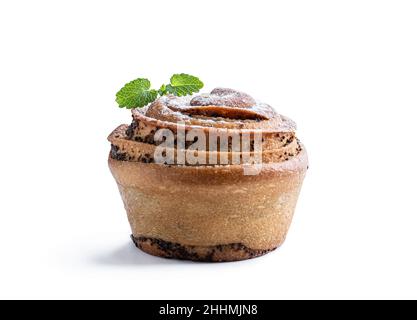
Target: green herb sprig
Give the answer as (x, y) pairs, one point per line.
(138, 93)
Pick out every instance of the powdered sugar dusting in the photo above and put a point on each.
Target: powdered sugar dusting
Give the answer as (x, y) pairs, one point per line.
(222, 108)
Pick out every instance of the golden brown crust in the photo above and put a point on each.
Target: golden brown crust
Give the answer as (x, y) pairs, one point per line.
(217, 253)
(205, 206)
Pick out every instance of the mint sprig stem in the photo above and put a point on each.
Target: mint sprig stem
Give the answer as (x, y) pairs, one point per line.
(138, 93)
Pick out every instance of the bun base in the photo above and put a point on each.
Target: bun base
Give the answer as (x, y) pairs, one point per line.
(218, 253)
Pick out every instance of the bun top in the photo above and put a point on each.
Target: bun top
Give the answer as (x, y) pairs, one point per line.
(224, 124)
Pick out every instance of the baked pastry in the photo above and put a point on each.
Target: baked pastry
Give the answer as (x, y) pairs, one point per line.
(223, 201)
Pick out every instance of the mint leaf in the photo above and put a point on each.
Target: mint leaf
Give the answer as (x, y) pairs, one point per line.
(162, 90)
(136, 94)
(183, 84)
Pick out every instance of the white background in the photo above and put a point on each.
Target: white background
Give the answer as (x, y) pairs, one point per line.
(345, 71)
